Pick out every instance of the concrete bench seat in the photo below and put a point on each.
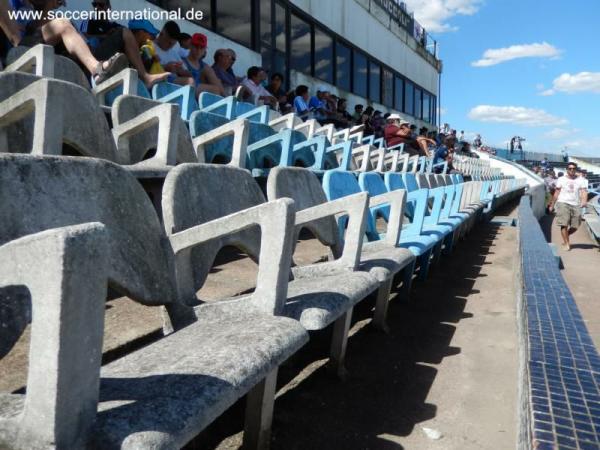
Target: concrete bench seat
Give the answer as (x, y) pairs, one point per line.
(86, 224)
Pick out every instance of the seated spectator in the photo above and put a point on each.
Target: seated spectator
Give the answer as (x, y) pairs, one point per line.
(343, 116)
(106, 38)
(477, 141)
(440, 155)
(223, 62)
(365, 119)
(204, 76)
(301, 107)
(377, 124)
(60, 34)
(397, 131)
(358, 110)
(144, 32)
(169, 53)
(319, 104)
(275, 88)
(185, 41)
(254, 89)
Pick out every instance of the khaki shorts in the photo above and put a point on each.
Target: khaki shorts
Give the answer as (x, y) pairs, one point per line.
(568, 215)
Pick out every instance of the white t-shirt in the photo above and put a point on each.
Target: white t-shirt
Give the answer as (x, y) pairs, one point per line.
(569, 189)
(174, 54)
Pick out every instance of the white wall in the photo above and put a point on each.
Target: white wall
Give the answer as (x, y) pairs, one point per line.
(353, 22)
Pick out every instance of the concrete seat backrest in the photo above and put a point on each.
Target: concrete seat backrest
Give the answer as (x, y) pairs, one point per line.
(304, 188)
(42, 192)
(64, 69)
(189, 199)
(441, 180)
(42, 115)
(128, 107)
(220, 151)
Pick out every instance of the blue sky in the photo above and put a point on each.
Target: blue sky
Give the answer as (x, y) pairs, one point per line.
(539, 79)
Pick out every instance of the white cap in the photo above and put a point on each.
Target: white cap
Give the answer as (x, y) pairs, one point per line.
(394, 117)
(322, 88)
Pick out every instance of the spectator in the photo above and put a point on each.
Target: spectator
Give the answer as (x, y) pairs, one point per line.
(343, 116)
(254, 89)
(204, 76)
(461, 137)
(565, 155)
(275, 88)
(185, 41)
(144, 32)
(545, 163)
(223, 62)
(397, 131)
(441, 154)
(365, 119)
(106, 38)
(56, 32)
(169, 53)
(477, 141)
(319, 104)
(570, 196)
(377, 124)
(358, 110)
(301, 107)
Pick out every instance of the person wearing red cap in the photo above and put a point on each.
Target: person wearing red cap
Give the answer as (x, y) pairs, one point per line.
(204, 76)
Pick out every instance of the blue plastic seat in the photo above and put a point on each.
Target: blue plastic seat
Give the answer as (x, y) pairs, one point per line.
(184, 96)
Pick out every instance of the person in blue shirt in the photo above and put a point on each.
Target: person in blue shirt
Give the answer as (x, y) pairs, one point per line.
(301, 105)
(441, 155)
(318, 103)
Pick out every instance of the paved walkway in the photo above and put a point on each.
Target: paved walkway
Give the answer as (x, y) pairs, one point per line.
(581, 271)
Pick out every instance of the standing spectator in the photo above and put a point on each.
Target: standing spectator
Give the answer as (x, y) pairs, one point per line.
(545, 163)
(275, 88)
(461, 137)
(301, 102)
(358, 110)
(204, 76)
(253, 87)
(565, 155)
(477, 141)
(570, 196)
(223, 63)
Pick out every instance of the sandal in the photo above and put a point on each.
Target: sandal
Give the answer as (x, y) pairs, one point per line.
(115, 64)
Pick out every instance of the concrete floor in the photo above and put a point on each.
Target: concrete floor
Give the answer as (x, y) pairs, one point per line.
(449, 363)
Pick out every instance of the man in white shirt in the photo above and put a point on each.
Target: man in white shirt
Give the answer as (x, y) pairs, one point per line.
(254, 88)
(168, 50)
(570, 196)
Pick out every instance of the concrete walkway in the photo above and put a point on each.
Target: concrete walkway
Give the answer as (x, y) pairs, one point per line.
(581, 270)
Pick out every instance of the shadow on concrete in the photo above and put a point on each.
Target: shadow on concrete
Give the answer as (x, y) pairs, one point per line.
(389, 375)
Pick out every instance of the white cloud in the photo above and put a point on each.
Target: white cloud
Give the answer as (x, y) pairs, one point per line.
(515, 114)
(443, 111)
(557, 133)
(434, 14)
(579, 82)
(495, 56)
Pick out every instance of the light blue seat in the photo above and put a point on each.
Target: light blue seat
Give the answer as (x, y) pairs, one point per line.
(337, 184)
(184, 96)
(111, 96)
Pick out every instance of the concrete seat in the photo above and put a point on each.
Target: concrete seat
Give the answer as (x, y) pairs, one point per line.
(186, 204)
(87, 224)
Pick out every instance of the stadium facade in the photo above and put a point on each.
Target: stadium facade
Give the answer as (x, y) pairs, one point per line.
(368, 51)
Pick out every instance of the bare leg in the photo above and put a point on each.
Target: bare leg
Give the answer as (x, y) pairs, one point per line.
(208, 88)
(133, 54)
(564, 232)
(59, 30)
(184, 81)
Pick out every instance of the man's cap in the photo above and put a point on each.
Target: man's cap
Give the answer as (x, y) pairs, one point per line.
(394, 117)
(404, 122)
(322, 88)
(143, 25)
(199, 40)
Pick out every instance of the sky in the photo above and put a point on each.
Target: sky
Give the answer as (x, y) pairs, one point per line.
(519, 67)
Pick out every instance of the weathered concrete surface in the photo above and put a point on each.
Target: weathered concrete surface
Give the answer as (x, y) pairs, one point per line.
(448, 364)
(580, 271)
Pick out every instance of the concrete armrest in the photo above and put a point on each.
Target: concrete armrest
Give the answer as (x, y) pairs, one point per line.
(65, 271)
(238, 128)
(397, 201)
(355, 206)
(127, 78)
(276, 222)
